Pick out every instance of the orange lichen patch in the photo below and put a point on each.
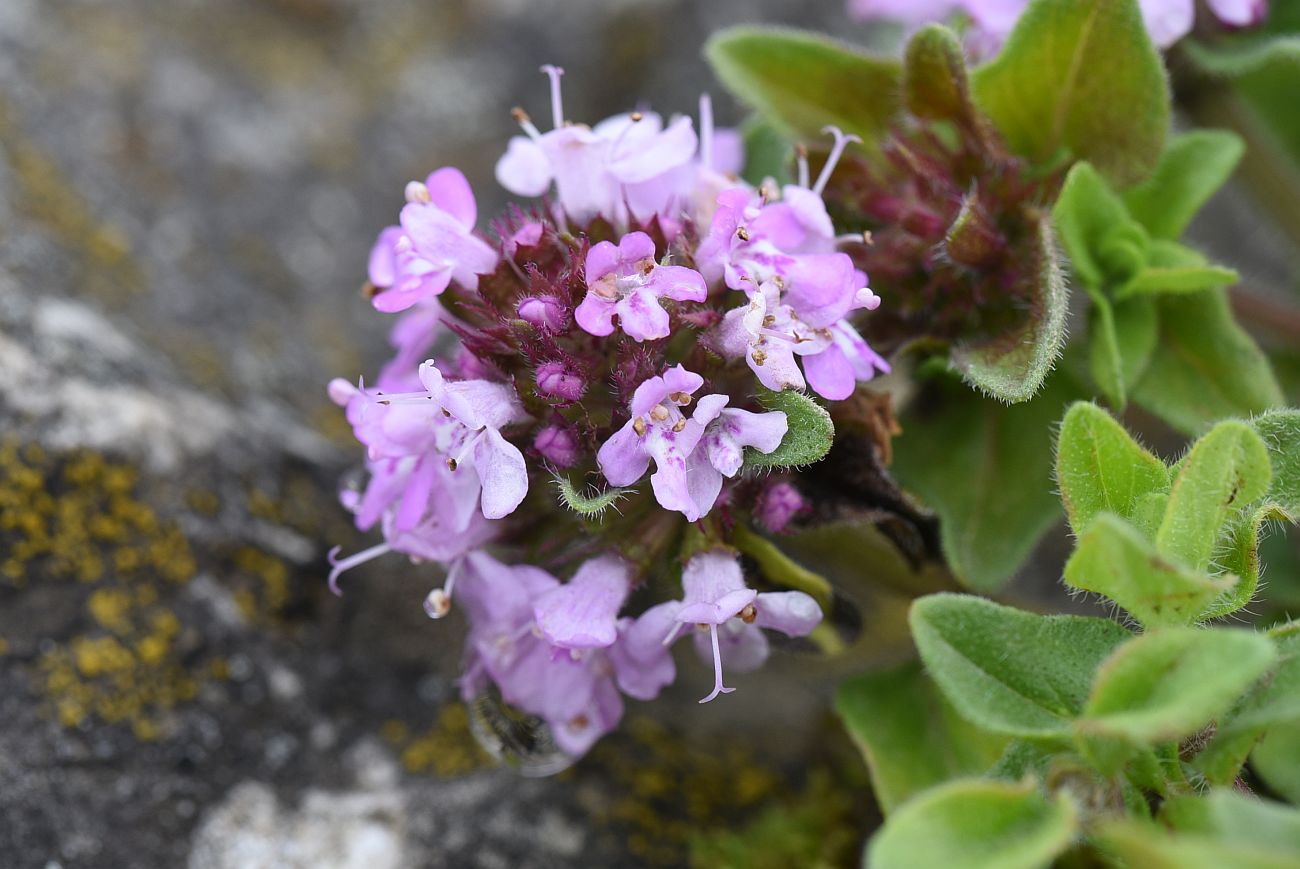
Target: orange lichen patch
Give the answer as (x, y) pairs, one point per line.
(78, 518)
(446, 750)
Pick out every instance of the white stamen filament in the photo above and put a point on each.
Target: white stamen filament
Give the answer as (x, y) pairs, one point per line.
(718, 687)
(706, 132)
(557, 104)
(803, 167)
(346, 564)
(837, 150)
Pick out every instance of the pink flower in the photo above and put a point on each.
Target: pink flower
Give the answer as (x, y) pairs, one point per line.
(601, 171)
(721, 450)
(583, 613)
(778, 504)
(625, 280)
(771, 334)
(658, 430)
(434, 245)
(716, 595)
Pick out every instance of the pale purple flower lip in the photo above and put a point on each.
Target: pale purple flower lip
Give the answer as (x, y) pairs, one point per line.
(434, 245)
(625, 280)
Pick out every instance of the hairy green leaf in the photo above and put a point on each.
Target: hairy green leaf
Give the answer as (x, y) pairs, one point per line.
(1166, 685)
(1081, 78)
(1115, 560)
(1013, 367)
(1007, 670)
(1121, 338)
(1280, 430)
(1086, 213)
(935, 82)
(1205, 367)
(808, 437)
(1187, 279)
(1192, 168)
(1226, 470)
(1150, 846)
(976, 824)
(803, 81)
(1232, 817)
(1240, 557)
(1099, 467)
(992, 486)
(1274, 760)
(910, 735)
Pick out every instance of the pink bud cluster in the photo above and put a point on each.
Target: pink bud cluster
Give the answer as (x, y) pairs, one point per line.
(624, 326)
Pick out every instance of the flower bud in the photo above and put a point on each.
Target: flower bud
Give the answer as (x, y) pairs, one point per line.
(544, 312)
(557, 445)
(778, 504)
(554, 380)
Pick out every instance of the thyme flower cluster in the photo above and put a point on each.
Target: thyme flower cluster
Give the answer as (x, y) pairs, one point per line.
(625, 320)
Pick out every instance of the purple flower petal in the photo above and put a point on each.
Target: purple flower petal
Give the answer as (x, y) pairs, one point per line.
(502, 471)
(449, 190)
(524, 169)
(634, 247)
(623, 459)
(583, 613)
(830, 374)
(641, 316)
(714, 589)
(678, 282)
(596, 315)
(791, 612)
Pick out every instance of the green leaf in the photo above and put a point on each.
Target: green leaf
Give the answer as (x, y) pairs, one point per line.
(1167, 685)
(1274, 760)
(1192, 279)
(1280, 430)
(1149, 846)
(1012, 367)
(1234, 818)
(991, 487)
(1193, 167)
(1273, 701)
(1009, 671)
(976, 824)
(1082, 78)
(935, 82)
(1115, 560)
(1241, 558)
(592, 505)
(1086, 213)
(808, 437)
(1226, 470)
(802, 81)
(1099, 467)
(1244, 54)
(1205, 367)
(1121, 338)
(910, 735)
(768, 154)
